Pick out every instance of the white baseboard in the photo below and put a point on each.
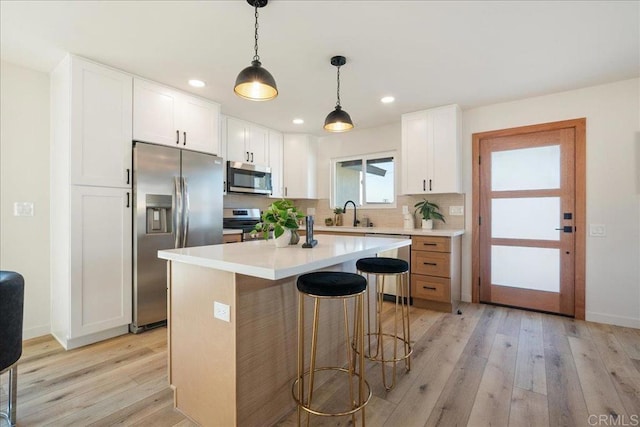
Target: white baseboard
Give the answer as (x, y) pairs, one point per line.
(71, 343)
(609, 319)
(466, 297)
(36, 331)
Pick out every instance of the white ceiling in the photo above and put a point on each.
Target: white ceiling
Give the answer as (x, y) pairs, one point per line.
(425, 53)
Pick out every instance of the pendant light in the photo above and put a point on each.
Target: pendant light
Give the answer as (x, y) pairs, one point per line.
(255, 82)
(338, 120)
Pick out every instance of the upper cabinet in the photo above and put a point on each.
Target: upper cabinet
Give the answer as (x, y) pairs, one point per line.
(431, 151)
(166, 116)
(299, 160)
(246, 142)
(275, 162)
(97, 101)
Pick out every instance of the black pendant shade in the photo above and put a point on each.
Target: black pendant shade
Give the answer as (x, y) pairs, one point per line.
(255, 83)
(338, 120)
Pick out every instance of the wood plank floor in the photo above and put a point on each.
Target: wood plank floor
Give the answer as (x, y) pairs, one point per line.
(490, 366)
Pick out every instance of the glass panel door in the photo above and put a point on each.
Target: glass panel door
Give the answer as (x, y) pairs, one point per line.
(526, 231)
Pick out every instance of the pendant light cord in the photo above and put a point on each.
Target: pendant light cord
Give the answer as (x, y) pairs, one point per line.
(338, 90)
(256, 57)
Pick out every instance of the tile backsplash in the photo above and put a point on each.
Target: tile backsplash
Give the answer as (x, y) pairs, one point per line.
(390, 217)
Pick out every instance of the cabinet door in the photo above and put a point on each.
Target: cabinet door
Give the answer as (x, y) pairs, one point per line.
(258, 145)
(155, 113)
(446, 150)
(235, 141)
(416, 143)
(275, 162)
(100, 259)
(299, 165)
(198, 125)
(101, 116)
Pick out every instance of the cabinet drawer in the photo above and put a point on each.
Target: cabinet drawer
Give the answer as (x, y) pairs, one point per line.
(431, 243)
(431, 263)
(431, 288)
(232, 238)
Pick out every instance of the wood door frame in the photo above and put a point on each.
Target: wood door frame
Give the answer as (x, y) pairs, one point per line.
(579, 125)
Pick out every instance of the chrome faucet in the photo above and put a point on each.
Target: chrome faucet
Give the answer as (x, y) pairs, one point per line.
(355, 218)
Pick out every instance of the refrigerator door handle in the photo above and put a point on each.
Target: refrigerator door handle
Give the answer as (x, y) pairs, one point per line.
(177, 211)
(185, 217)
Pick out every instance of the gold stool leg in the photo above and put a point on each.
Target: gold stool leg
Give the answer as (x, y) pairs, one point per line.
(300, 354)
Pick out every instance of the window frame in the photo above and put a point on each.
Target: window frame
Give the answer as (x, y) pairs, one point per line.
(363, 158)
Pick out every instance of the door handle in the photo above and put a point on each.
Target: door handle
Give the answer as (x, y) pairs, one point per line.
(430, 185)
(128, 173)
(128, 201)
(185, 218)
(177, 211)
(184, 138)
(566, 229)
(177, 137)
(247, 156)
(251, 157)
(424, 185)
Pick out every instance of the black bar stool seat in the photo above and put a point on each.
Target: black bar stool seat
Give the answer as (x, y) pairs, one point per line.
(381, 265)
(332, 285)
(11, 320)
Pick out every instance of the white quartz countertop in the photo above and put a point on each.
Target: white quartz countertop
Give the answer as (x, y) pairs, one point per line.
(260, 258)
(390, 230)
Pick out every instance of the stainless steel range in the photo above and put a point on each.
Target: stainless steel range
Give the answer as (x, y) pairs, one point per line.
(241, 219)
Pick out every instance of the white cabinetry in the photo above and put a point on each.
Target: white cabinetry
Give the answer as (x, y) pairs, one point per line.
(100, 259)
(166, 116)
(275, 162)
(431, 156)
(246, 142)
(90, 209)
(299, 164)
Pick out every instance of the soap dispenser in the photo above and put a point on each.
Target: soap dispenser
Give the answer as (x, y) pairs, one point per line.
(407, 218)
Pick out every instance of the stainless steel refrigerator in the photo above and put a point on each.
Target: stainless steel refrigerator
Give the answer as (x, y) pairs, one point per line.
(177, 196)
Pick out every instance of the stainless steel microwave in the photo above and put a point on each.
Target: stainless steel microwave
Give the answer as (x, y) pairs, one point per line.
(248, 178)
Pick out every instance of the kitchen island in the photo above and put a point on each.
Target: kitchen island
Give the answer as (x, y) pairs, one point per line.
(236, 366)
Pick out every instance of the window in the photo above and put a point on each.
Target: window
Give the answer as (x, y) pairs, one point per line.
(368, 180)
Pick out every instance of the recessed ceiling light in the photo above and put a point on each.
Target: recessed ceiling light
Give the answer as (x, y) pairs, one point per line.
(387, 99)
(298, 121)
(197, 83)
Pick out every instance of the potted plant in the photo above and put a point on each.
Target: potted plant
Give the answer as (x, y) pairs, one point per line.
(281, 217)
(429, 211)
(338, 216)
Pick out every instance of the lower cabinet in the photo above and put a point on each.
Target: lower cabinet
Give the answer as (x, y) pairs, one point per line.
(435, 272)
(91, 299)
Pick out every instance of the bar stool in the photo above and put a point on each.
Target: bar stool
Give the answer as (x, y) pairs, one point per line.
(11, 322)
(381, 267)
(332, 285)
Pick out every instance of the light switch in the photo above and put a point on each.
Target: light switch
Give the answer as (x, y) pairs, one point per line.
(597, 230)
(23, 209)
(221, 311)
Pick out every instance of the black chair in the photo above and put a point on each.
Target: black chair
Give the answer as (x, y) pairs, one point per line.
(11, 312)
(384, 269)
(332, 285)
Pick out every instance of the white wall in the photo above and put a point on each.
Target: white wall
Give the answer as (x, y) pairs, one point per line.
(24, 177)
(613, 187)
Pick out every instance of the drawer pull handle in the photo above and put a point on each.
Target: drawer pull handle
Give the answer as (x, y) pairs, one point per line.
(430, 244)
(429, 288)
(430, 263)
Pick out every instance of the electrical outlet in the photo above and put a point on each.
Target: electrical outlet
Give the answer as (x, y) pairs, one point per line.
(597, 230)
(23, 209)
(221, 311)
(456, 210)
